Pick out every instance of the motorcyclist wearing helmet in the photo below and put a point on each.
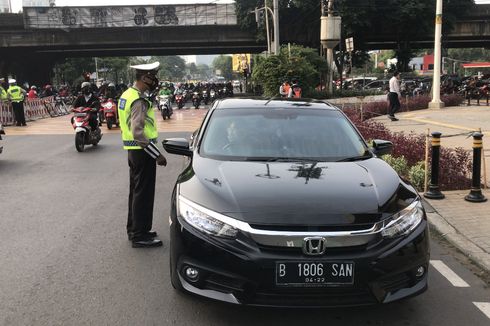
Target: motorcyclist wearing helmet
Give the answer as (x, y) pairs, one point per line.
(32, 93)
(48, 91)
(110, 91)
(165, 90)
(88, 100)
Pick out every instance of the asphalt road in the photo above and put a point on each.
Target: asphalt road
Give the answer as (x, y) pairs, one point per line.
(65, 258)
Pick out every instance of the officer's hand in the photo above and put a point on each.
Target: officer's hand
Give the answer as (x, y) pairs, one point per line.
(161, 160)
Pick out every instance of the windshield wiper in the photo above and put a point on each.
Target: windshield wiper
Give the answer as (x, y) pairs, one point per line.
(282, 159)
(356, 158)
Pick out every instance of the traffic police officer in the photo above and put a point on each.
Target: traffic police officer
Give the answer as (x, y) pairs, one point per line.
(16, 95)
(3, 92)
(139, 135)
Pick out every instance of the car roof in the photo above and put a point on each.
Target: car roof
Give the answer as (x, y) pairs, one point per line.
(242, 103)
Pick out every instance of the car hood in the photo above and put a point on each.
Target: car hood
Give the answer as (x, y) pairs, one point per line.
(279, 193)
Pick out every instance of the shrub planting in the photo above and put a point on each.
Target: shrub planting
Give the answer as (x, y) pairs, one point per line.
(455, 164)
(379, 108)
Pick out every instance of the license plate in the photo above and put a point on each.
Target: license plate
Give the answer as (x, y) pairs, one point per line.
(314, 273)
(80, 114)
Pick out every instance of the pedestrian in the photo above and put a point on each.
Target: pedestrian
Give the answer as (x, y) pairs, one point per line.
(16, 96)
(394, 96)
(139, 135)
(284, 89)
(295, 90)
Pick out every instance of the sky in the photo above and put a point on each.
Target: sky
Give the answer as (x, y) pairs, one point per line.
(17, 4)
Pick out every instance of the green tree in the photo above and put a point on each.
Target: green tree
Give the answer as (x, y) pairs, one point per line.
(204, 71)
(302, 63)
(223, 64)
(404, 19)
(171, 67)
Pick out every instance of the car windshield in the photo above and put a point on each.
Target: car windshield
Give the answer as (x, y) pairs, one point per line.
(281, 135)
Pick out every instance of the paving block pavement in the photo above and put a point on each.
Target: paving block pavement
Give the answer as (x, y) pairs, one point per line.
(464, 224)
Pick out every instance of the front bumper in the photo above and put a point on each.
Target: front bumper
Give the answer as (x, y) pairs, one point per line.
(238, 272)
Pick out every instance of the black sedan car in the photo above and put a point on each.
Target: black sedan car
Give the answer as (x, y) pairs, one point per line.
(282, 203)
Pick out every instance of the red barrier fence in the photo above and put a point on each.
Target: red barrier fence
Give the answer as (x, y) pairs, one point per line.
(6, 113)
(34, 109)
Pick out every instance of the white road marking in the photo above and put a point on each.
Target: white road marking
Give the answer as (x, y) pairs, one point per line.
(484, 307)
(449, 274)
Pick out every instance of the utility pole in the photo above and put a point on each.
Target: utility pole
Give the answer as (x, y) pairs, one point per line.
(329, 36)
(266, 13)
(277, 45)
(436, 102)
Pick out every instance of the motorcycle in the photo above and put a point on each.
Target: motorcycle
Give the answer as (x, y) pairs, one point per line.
(101, 117)
(212, 95)
(110, 113)
(205, 97)
(84, 135)
(179, 100)
(165, 106)
(2, 132)
(196, 100)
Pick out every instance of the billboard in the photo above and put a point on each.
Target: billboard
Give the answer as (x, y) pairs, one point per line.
(241, 62)
(129, 16)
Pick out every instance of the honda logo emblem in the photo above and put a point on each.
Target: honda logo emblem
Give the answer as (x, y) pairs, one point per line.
(314, 246)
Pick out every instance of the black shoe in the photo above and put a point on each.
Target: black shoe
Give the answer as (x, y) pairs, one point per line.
(392, 118)
(151, 234)
(24, 125)
(147, 243)
(17, 125)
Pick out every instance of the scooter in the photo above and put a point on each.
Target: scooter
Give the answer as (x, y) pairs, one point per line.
(196, 100)
(110, 113)
(165, 106)
(205, 97)
(179, 100)
(212, 95)
(84, 135)
(2, 132)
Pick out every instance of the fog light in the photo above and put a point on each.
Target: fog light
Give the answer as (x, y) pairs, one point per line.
(192, 274)
(420, 271)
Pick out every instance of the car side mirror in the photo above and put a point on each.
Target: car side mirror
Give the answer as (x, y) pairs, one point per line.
(382, 147)
(179, 146)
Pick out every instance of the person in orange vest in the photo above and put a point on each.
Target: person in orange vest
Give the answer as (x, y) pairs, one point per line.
(295, 90)
(284, 89)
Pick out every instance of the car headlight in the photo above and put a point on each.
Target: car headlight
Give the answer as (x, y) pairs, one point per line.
(405, 221)
(205, 220)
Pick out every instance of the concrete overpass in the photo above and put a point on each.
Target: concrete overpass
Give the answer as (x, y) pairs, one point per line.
(32, 52)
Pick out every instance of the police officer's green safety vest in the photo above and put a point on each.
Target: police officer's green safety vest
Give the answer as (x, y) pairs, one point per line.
(124, 109)
(3, 94)
(15, 93)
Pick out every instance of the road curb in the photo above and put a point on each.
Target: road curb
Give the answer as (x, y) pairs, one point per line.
(476, 254)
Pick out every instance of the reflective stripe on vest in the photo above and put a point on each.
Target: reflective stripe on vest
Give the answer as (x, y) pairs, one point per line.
(15, 93)
(124, 108)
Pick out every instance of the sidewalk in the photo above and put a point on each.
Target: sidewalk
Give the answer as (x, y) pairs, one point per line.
(464, 224)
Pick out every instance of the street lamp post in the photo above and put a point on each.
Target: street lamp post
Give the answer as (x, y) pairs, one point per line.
(436, 102)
